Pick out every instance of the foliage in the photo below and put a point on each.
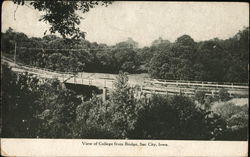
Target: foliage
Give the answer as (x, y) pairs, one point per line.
(114, 118)
(93, 120)
(19, 104)
(59, 110)
(212, 60)
(200, 96)
(175, 60)
(236, 118)
(122, 107)
(44, 108)
(33, 108)
(52, 53)
(176, 117)
(223, 95)
(66, 23)
(204, 101)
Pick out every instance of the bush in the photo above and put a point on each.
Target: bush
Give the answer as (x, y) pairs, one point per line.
(114, 118)
(176, 118)
(236, 118)
(200, 97)
(32, 108)
(223, 95)
(19, 104)
(93, 120)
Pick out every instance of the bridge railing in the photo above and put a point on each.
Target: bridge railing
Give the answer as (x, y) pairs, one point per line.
(205, 82)
(154, 82)
(33, 68)
(198, 83)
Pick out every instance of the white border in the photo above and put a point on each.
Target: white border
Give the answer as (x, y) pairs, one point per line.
(75, 147)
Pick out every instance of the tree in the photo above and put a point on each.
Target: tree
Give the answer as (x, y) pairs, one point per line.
(125, 56)
(122, 107)
(174, 61)
(58, 113)
(114, 118)
(33, 108)
(93, 119)
(9, 39)
(161, 67)
(66, 23)
(19, 104)
(211, 58)
(184, 51)
(107, 61)
(238, 54)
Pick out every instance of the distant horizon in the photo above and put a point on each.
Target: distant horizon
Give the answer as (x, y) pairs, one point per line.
(133, 39)
(142, 21)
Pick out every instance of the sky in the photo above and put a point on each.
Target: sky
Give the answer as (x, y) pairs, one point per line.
(142, 21)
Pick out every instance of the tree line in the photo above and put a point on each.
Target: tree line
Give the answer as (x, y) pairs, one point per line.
(185, 59)
(35, 108)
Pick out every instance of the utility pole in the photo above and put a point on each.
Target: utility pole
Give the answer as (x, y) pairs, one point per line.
(15, 55)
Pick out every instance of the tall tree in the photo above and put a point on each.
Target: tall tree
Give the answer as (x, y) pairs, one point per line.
(123, 107)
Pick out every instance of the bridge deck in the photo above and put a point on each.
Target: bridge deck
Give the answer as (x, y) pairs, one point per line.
(146, 85)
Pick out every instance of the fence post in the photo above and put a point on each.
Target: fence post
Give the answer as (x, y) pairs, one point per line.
(104, 94)
(212, 91)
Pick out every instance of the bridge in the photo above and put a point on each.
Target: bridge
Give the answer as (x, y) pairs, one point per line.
(143, 86)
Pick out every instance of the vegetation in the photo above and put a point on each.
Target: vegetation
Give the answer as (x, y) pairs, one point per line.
(36, 108)
(212, 60)
(45, 109)
(236, 118)
(33, 108)
(176, 118)
(66, 24)
(52, 53)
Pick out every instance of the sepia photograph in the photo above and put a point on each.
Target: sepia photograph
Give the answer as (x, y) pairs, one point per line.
(124, 70)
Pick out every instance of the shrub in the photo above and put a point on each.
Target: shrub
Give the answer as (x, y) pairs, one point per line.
(224, 95)
(200, 97)
(176, 117)
(236, 118)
